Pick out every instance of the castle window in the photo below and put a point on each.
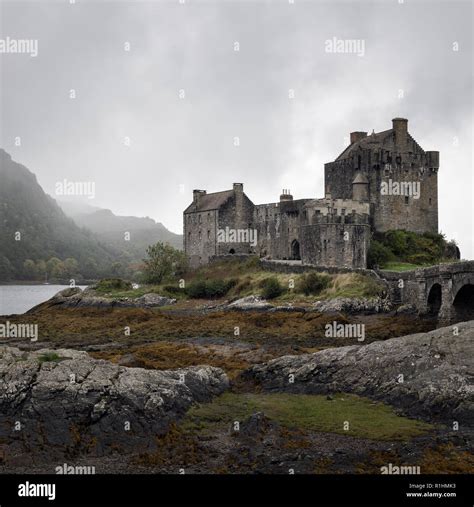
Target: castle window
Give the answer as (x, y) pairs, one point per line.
(429, 201)
(208, 234)
(406, 199)
(200, 219)
(200, 235)
(343, 211)
(208, 217)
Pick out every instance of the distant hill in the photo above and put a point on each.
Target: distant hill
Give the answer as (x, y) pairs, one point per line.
(112, 228)
(38, 239)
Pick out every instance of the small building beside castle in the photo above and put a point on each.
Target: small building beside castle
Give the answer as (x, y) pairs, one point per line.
(382, 181)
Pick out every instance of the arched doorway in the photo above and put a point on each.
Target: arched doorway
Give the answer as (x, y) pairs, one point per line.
(295, 250)
(232, 251)
(434, 299)
(463, 304)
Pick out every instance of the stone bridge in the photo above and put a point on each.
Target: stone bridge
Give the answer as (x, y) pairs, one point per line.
(446, 290)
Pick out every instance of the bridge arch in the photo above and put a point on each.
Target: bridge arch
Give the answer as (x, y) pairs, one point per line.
(435, 299)
(463, 303)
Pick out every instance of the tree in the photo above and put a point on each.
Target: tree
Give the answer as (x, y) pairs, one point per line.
(71, 267)
(163, 261)
(6, 269)
(51, 265)
(41, 268)
(29, 270)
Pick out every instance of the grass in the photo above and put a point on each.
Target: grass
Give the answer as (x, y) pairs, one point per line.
(49, 357)
(250, 279)
(401, 266)
(367, 419)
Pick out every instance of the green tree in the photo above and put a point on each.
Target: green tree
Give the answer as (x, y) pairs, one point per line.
(29, 270)
(7, 271)
(163, 261)
(51, 265)
(59, 271)
(41, 268)
(71, 267)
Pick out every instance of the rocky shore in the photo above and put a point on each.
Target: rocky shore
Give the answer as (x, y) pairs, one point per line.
(428, 375)
(67, 401)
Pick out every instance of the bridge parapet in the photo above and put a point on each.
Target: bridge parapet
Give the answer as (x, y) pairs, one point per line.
(433, 288)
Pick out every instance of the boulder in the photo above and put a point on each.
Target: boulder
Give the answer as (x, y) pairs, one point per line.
(76, 298)
(250, 303)
(353, 305)
(428, 375)
(68, 401)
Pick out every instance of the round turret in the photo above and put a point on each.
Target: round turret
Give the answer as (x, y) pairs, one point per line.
(360, 187)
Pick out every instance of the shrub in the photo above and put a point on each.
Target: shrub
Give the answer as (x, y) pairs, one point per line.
(271, 288)
(172, 289)
(48, 357)
(420, 258)
(196, 289)
(378, 254)
(314, 283)
(163, 262)
(108, 284)
(210, 288)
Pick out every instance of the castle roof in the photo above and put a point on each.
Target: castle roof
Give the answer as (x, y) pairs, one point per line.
(360, 178)
(366, 142)
(208, 202)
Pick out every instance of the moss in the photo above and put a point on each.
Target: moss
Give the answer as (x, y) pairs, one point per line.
(367, 419)
(50, 357)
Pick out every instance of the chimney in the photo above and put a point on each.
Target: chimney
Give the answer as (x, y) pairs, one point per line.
(285, 195)
(197, 194)
(357, 136)
(400, 127)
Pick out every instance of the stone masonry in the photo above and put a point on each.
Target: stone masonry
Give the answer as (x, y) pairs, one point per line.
(382, 181)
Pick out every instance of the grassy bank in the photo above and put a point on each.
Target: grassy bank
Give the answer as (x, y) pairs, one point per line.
(233, 279)
(361, 417)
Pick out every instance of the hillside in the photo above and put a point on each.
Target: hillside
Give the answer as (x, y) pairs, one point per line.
(46, 233)
(143, 231)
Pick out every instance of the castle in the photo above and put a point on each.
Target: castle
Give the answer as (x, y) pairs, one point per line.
(380, 182)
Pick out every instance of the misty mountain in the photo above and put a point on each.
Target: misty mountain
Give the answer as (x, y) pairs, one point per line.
(37, 236)
(33, 226)
(111, 228)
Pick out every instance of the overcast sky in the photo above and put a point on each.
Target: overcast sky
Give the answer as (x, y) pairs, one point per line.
(409, 67)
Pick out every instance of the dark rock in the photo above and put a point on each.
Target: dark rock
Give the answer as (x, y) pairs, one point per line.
(76, 298)
(72, 402)
(256, 425)
(430, 375)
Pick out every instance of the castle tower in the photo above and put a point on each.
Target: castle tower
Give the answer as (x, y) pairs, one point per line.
(360, 187)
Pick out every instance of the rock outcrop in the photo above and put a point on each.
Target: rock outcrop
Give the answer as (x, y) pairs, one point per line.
(250, 303)
(77, 298)
(66, 400)
(353, 305)
(428, 375)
